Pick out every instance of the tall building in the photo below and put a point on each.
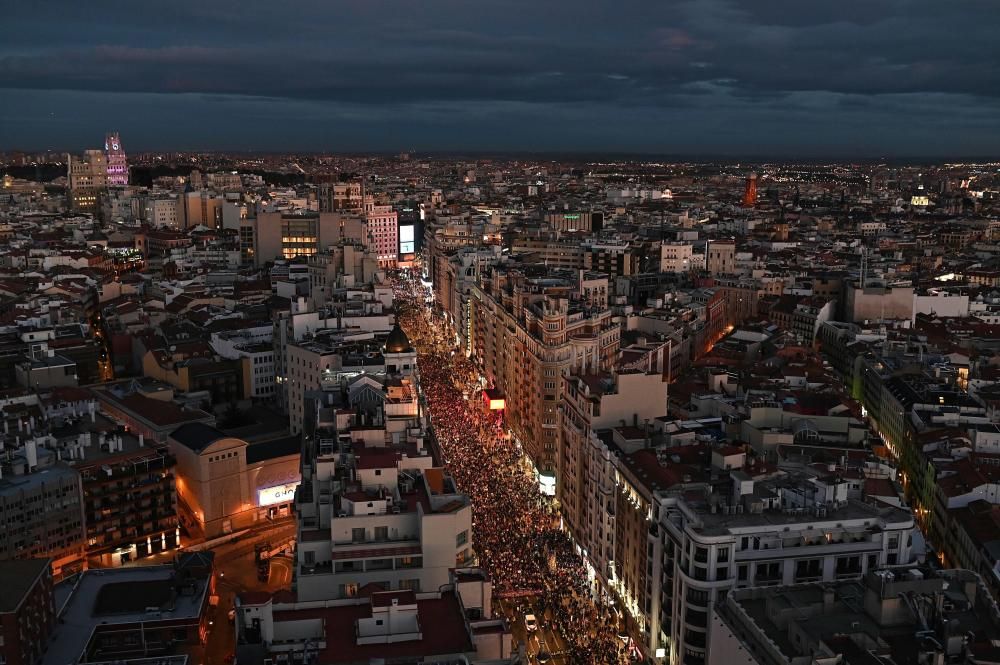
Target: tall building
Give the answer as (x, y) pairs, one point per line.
(116, 160)
(87, 177)
(750, 191)
(383, 232)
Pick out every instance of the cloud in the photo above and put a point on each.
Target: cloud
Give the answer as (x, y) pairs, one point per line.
(816, 63)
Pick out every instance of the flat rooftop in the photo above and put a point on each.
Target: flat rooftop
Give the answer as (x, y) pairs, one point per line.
(442, 626)
(106, 597)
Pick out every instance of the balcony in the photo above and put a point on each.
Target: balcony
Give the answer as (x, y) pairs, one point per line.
(324, 568)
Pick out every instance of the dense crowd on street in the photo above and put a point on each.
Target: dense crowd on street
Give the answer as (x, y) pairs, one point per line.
(516, 531)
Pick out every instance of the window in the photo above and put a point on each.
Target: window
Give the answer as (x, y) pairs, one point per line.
(462, 538)
(381, 533)
(358, 535)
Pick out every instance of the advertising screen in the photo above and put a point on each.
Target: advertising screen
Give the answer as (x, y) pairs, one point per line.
(277, 494)
(406, 239)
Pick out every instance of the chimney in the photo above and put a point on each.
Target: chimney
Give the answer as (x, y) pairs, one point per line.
(31, 453)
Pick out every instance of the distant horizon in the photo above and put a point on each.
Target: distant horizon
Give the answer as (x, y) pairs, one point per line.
(556, 155)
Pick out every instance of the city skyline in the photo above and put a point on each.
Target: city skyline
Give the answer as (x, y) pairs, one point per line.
(711, 78)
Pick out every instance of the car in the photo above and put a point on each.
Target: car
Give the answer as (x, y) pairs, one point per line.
(530, 622)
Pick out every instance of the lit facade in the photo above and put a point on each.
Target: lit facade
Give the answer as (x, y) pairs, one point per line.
(117, 163)
(383, 233)
(526, 334)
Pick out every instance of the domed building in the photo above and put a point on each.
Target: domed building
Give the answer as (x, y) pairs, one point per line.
(397, 341)
(400, 356)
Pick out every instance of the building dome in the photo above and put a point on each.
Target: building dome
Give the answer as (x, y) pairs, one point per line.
(397, 341)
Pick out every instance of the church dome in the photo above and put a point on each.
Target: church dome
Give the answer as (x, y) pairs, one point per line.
(397, 341)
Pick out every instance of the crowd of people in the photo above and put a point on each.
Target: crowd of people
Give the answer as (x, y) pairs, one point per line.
(516, 532)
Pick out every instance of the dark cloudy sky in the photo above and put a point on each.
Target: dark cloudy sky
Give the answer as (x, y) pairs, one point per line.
(739, 77)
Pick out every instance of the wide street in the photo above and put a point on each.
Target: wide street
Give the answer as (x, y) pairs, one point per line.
(516, 530)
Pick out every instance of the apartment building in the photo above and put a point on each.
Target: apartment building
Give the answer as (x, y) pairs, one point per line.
(129, 498)
(744, 529)
(612, 257)
(347, 325)
(909, 615)
(721, 257)
(41, 509)
(676, 257)
(346, 264)
(591, 403)
(454, 287)
(529, 329)
(27, 610)
(451, 625)
(374, 511)
(591, 222)
(552, 250)
(272, 235)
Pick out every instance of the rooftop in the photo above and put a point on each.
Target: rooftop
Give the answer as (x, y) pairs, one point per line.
(197, 436)
(108, 597)
(17, 576)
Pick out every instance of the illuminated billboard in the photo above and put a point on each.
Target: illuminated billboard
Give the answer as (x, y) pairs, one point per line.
(547, 484)
(269, 496)
(494, 399)
(406, 243)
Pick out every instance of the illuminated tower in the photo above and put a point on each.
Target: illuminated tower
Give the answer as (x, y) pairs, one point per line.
(117, 163)
(750, 191)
